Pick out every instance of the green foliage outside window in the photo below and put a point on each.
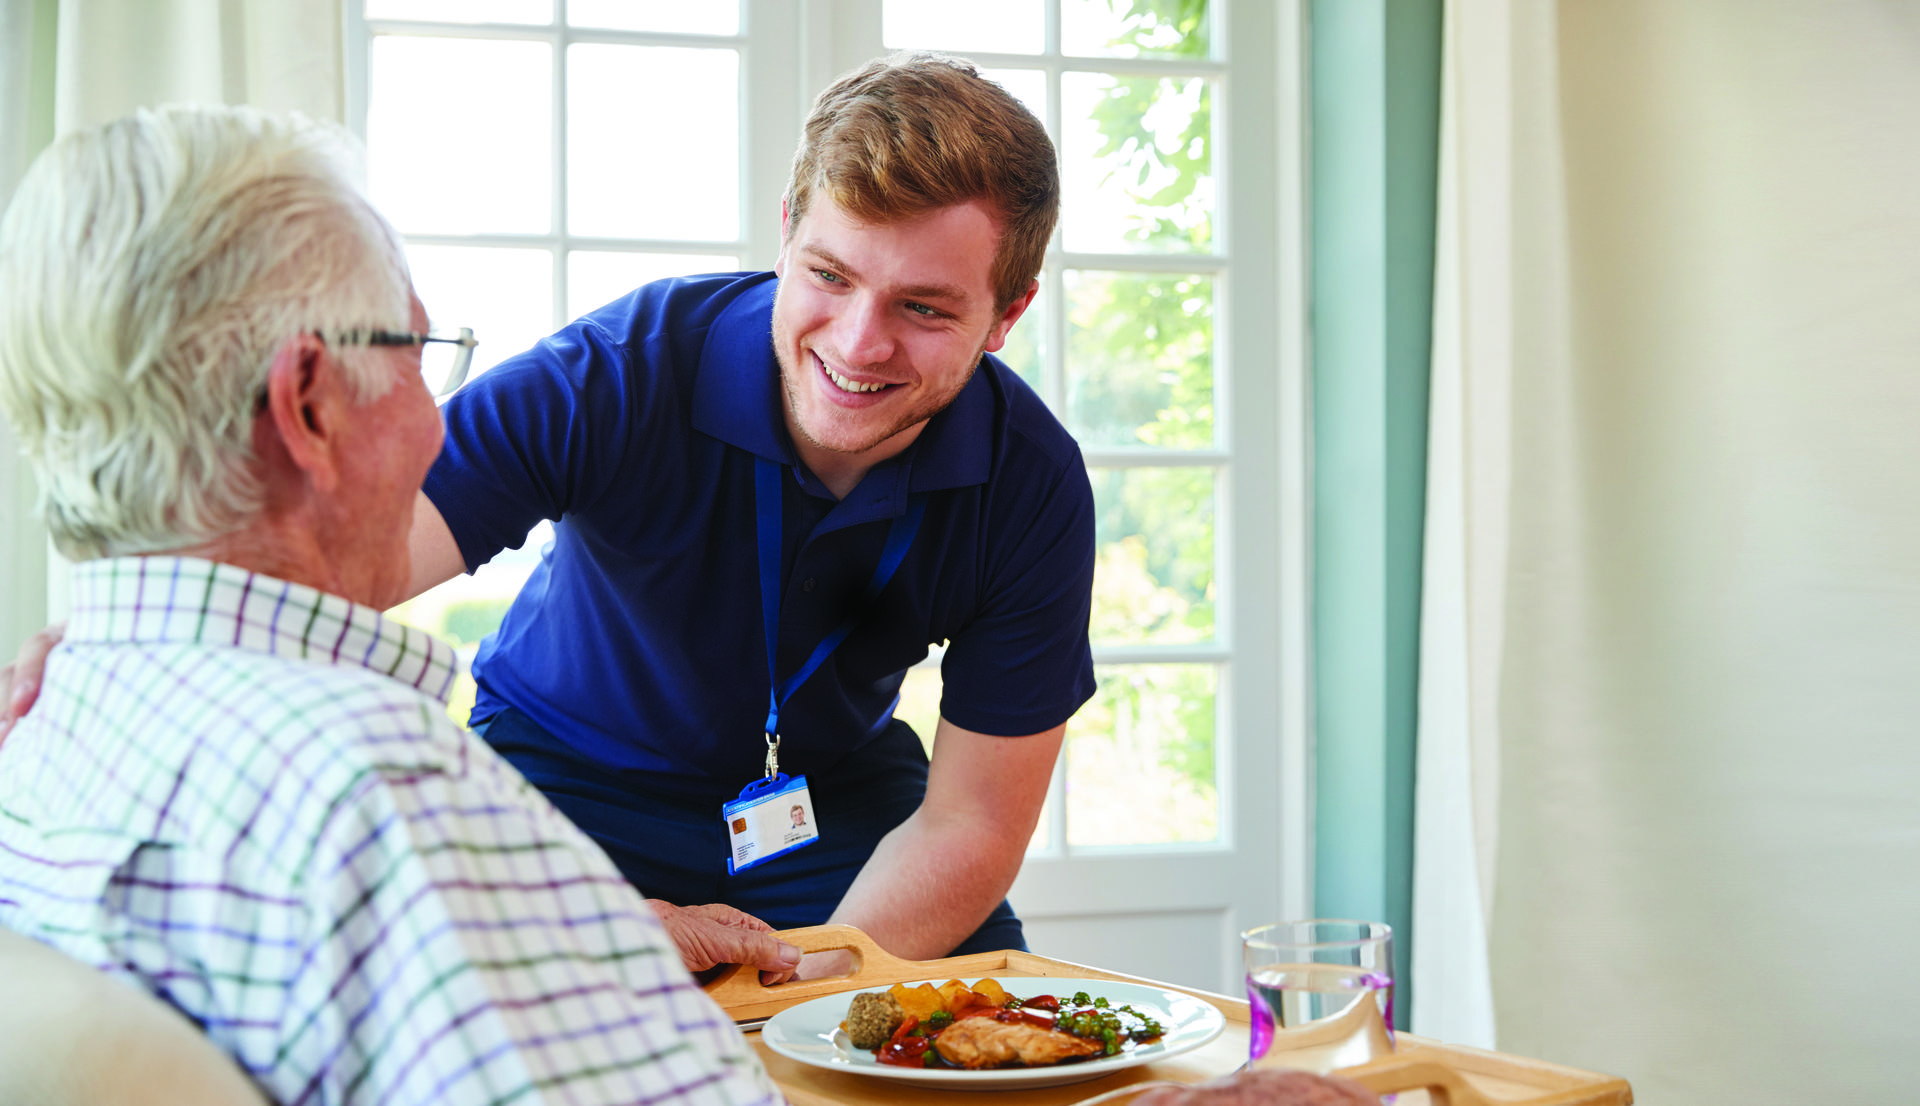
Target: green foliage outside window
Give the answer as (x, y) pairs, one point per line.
(1141, 374)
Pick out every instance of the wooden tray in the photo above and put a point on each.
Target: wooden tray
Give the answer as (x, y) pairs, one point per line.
(1421, 1071)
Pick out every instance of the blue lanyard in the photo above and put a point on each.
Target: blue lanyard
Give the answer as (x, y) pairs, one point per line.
(766, 488)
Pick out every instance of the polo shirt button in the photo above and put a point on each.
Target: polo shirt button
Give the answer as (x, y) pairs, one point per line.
(807, 585)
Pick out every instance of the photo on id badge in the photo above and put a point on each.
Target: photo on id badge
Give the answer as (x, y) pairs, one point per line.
(768, 820)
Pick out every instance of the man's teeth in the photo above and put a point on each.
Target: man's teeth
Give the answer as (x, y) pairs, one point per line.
(846, 385)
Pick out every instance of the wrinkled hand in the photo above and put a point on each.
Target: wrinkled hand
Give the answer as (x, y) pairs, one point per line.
(712, 934)
(20, 681)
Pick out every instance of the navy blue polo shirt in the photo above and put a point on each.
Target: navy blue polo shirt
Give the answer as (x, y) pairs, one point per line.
(639, 640)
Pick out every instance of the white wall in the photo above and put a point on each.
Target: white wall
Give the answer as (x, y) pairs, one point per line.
(23, 548)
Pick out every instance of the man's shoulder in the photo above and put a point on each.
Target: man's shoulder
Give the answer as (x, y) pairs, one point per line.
(682, 307)
(295, 734)
(1030, 440)
(342, 721)
(235, 757)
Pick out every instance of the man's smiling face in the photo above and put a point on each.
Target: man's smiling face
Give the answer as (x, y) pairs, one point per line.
(878, 327)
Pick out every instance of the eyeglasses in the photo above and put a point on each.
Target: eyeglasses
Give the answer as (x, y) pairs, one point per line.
(445, 355)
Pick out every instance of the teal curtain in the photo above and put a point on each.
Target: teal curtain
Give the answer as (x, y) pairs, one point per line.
(1375, 114)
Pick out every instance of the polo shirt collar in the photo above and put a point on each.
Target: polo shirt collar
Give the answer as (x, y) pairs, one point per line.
(736, 398)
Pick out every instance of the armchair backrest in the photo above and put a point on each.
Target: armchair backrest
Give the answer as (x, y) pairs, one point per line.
(74, 1036)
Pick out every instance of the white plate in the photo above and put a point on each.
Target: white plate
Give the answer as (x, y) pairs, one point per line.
(810, 1033)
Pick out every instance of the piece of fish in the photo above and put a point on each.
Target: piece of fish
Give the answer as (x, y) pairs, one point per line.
(986, 1043)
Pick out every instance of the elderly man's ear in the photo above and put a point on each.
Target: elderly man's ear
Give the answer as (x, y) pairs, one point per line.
(307, 401)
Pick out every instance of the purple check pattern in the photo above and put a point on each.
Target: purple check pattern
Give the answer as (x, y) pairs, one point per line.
(245, 795)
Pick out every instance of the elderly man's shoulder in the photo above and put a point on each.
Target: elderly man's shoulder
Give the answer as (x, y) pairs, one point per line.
(341, 726)
(214, 730)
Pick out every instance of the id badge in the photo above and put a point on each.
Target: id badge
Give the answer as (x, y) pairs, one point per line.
(772, 817)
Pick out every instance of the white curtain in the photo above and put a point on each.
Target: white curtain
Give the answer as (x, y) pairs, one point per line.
(88, 61)
(115, 55)
(1669, 821)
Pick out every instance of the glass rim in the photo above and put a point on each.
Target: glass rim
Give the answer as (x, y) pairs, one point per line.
(1372, 933)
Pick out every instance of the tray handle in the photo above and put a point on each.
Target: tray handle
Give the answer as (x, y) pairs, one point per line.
(739, 991)
(1444, 1085)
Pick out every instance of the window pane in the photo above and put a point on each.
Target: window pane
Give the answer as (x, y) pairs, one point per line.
(505, 295)
(988, 26)
(653, 147)
(1136, 163)
(1134, 28)
(463, 11)
(598, 277)
(1140, 758)
(1153, 577)
(708, 17)
(1026, 342)
(445, 115)
(1140, 359)
(1029, 86)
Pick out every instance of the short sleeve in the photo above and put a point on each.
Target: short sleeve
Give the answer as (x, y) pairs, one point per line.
(1023, 663)
(538, 435)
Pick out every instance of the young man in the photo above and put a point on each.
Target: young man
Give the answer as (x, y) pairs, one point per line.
(240, 789)
(826, 457)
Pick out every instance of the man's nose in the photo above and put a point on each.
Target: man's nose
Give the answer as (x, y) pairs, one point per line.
(865, 332)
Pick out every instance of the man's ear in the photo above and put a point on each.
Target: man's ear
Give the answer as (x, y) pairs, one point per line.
(997, 337)
(305, 392)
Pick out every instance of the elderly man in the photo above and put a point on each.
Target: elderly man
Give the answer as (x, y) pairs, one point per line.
(241, 790)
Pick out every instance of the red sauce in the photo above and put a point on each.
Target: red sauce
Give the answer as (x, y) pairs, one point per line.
(1028, 1017)
(904, 1050)
(1043, 1002)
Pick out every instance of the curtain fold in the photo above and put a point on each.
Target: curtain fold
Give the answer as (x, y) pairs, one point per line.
(1671, 669)
(68, 64)
(116, 55)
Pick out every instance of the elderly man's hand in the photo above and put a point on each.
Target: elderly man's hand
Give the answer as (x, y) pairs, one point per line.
(711, 935)
(20, 681)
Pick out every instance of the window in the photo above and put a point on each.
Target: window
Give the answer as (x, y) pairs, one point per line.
(1121, 344)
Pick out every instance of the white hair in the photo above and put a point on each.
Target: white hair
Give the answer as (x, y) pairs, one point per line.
(149, 269)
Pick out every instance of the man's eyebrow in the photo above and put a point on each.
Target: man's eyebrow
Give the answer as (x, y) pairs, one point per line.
(916, 291)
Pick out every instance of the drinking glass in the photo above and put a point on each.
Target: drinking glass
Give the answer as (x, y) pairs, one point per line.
(1320, 993)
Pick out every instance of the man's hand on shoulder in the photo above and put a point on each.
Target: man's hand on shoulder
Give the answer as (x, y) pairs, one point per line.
(20, 681)
(714, 934)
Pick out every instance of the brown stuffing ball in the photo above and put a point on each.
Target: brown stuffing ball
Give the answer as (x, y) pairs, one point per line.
(872, 1019)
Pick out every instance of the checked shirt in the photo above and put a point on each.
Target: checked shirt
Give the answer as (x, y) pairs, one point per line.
(245, 796)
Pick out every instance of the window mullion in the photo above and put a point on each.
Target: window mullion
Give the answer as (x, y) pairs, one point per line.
(561, 243)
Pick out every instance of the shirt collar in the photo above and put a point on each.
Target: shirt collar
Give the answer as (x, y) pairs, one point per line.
(736, 398)
(185, 600)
